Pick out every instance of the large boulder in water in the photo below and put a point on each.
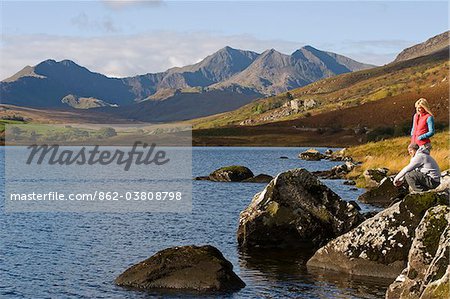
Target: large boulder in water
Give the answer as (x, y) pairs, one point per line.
(295, 209)
(428, 259)
(380, 245)
(233, 173)
(188, 268)
(384, 194)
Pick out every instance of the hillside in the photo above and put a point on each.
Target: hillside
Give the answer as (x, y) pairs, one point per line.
(348, 109)
(434, 44)
(403, 81)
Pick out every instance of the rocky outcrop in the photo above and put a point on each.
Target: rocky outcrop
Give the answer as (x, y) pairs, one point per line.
(380, 245)
(189, 268)
(385, 194)
(374, 176)
(336, 172)
(428, 259)
(431, 45)
(338, 155)
(295, 209)
(311, 155)
(235, 174)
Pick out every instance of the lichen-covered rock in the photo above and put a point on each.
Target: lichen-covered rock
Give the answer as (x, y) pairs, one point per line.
(185, 268)
(384, 194)
(428, 258)
(260, 178)
(445, 182)
(439, 288)
(374, 176)
(380, 245)
(295, 209)
(311, 155)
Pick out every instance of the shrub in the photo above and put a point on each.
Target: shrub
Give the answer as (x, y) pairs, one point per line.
(107, 132)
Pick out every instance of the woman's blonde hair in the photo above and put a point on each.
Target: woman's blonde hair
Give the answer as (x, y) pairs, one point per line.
(422, 102)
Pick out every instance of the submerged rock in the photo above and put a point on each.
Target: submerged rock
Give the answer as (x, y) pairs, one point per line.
(295, 209)
(189, 268)
(428, 259)
(379, 246)
(384, 194)
(374, 176)
(311, 155)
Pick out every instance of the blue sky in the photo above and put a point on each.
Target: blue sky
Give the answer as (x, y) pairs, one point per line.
(123, 38)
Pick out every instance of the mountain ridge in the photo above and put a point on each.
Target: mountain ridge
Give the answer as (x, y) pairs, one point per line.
(222, 76)
(431, 45)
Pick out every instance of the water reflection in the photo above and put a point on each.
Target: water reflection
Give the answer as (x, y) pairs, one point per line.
(285, 270)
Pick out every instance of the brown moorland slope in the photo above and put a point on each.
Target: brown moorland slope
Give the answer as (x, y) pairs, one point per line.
(340, 92)
(340, 127)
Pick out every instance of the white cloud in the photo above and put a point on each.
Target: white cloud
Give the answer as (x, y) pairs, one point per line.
(121, 56)
(129, 55)
(123, 4)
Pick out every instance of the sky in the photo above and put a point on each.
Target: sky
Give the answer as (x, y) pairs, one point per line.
(127, 38)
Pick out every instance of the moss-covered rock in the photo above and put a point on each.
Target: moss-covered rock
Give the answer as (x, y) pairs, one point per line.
(380, 245)
(439, 288)
(428, 258)
(295, 209)
(185, 268)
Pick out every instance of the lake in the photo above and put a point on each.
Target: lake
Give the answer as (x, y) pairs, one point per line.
(78, 255)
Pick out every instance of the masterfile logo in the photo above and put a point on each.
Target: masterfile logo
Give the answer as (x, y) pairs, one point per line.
(108, 168)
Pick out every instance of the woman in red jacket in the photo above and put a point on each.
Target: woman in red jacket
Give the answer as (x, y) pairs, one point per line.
(423, 124)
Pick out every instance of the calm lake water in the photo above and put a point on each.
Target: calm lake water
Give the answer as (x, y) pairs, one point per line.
(78, 255)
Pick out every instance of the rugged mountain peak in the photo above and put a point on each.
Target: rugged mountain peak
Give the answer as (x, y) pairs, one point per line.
(431, 45)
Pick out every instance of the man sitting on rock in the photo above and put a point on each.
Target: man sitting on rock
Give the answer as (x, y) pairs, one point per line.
(422, 173)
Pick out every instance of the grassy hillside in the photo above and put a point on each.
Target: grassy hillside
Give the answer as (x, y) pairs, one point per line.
(393, 154)
(340, 92)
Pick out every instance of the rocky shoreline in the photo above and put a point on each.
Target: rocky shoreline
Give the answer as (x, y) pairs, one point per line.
(408, 241)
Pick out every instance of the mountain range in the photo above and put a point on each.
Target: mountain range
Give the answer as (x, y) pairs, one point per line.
(223, 81)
